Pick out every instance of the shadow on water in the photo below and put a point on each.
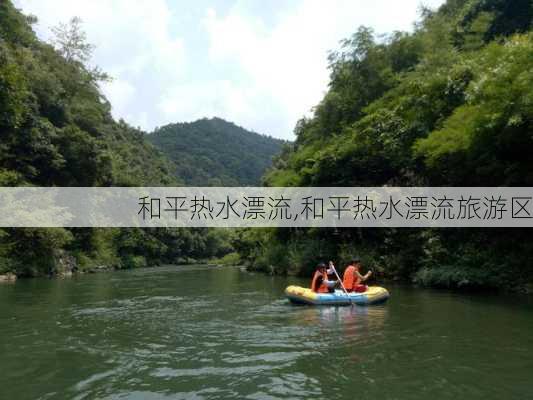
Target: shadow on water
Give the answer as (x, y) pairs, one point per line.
(203, 332)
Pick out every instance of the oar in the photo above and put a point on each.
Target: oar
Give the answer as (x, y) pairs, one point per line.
(342, 284)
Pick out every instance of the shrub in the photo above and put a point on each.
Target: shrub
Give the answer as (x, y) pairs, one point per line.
(132, 261)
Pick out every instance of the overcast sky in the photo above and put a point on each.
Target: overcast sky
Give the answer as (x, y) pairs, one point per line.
(261, 64)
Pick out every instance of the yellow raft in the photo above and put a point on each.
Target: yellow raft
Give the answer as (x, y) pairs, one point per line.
(300, 295)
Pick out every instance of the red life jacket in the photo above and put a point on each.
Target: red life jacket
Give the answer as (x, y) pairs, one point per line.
(350, 279)
(322, 288)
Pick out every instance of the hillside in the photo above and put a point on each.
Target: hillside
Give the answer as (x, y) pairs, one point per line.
(214, 152)
(56, 129)
(55, 125)
(446, 105)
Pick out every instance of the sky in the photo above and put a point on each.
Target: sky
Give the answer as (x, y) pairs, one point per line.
(260, 64)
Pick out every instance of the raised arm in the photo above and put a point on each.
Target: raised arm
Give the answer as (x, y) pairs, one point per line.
(365, 276)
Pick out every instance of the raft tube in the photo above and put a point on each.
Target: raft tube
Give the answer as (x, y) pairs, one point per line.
(300, 295)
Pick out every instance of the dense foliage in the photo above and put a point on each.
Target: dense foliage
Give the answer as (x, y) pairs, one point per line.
(56, 129)
(449, 104)
(215, 152)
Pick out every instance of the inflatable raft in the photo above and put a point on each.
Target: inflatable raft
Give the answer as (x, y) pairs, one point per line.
(300, 295)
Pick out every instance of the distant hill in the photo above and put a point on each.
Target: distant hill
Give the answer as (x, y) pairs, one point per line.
(215, 152)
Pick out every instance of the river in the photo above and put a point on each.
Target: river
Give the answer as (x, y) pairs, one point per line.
(199, 332)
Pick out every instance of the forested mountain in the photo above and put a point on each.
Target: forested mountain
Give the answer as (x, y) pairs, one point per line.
(55, 125)
(56, 129)
(214, 152)
(449, 104)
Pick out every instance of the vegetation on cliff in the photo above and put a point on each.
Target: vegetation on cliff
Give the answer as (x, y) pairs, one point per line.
(56, 129)
(447, 105)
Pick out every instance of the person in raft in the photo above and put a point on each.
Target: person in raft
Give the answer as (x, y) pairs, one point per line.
(330, 271)
(352, 279)
(320, 282)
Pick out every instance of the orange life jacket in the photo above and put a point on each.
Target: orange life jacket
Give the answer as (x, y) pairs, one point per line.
(323, 288)
(350, 279)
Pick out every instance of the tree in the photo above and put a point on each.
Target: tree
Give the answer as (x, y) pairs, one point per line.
(446, 105)
(71, 41)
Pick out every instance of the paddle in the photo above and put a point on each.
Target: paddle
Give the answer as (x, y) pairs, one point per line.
(342, 284)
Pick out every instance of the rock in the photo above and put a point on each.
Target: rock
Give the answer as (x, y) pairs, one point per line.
(66, 274)
(8, 277)
(65, 265)
(99, 268)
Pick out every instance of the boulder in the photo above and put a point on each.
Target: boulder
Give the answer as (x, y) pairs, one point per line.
(65, 265)
(8, 277)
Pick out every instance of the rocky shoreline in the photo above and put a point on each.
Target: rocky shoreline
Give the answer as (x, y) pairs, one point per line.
(65, 266)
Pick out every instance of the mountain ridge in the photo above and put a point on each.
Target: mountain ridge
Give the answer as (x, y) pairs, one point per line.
(216, 152)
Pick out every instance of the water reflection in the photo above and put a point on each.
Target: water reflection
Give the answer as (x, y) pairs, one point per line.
(350, 319)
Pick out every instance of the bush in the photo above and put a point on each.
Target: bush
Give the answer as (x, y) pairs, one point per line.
(6, 265)
(36, 249)
(84, 262)
(304, 255)
(131, 261)
(228, 259)
(450, 276)
(467, 264)
(272, 259)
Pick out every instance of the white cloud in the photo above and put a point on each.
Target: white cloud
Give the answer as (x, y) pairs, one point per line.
(262, 67)
(134, 44)
(288, 62)
(219, 98)
(119, 93)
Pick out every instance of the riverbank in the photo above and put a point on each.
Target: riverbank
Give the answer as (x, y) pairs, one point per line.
(454, 258)
(68, 267)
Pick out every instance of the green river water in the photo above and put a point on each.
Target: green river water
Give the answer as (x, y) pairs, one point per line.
(213, 333)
